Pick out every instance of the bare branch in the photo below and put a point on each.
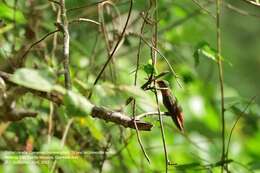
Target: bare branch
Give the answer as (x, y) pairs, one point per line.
(257, 4)
(221, 82)
(119, 118)
(135, 83)
(84, 20)
(66, 44)
(18, 114)
(97, 111)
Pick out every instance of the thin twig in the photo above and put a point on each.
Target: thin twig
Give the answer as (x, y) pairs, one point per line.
(238, 118)
(55, 2)
(93, 4)
(66, 44)
(55, 36)
(135, 83)
(143, 115)
(64, 136)
(240, 11)
(15, 25)
(85, 20)
(204, 8)
(35, 43)
(221, 81)
(50, 121)
(85, 6)
(66, 132)
(167, 162)
(126, 142)
(252, 3)
(140, 141)
(93, 53)
(184, 19)
(116, 46)
(103, 29)
(244, 166)
(104, 158)
(154, 62)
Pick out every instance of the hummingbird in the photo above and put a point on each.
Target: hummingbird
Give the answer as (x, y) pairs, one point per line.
(171, 104)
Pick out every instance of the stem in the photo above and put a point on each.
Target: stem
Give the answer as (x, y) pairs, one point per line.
(135, 83)
(23, 57)
(15, 25)
(63, 140)
(238, 118)
(162, 133)
(221, 82)
(55, 36)
(50, 122)
(66, 44)
(154, 58)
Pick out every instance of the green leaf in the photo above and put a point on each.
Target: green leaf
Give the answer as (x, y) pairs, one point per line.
(76, 104)
(254, 165)
(91, 125)
(179, 11)
(7, 13)
(42, 80)
(203, 49)
(149, 69)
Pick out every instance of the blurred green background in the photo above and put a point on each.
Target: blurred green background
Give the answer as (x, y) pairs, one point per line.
(182, 28)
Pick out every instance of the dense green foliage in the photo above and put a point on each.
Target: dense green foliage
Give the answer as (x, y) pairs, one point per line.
(187, 46)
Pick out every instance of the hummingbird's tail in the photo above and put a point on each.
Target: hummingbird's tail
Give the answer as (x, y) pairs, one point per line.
(178, 120)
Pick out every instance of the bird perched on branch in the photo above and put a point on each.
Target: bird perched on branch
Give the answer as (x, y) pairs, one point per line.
(171, 104)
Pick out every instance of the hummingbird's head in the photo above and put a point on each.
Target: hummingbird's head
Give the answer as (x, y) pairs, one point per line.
(162, 84)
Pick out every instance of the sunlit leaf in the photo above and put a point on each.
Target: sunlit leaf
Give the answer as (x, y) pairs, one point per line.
(8, 13)
(203, 49)
(41, 80)
(76, 104)
(149, 69)
(90, 124)
(178, 11)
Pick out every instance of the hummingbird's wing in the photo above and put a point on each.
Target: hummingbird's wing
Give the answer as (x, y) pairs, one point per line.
(170, 102)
